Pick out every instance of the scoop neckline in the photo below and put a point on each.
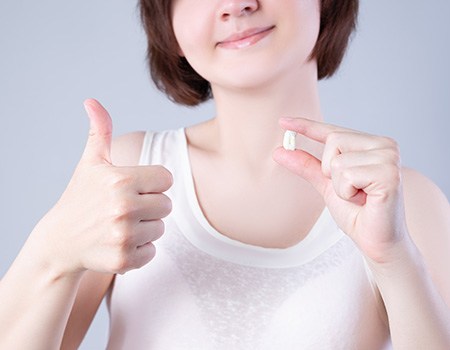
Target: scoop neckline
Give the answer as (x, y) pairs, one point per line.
(207, 238)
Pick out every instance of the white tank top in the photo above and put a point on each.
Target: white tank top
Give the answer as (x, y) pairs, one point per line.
(205, 291)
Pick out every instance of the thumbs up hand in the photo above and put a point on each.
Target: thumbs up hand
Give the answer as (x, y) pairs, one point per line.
(108, 217)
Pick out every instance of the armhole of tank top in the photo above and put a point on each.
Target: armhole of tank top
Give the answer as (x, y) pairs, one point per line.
(146, 148)
(376, 294)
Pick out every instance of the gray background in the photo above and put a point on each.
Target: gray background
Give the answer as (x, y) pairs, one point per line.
(54, 54)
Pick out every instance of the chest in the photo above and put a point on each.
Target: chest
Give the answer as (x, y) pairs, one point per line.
(186, 299)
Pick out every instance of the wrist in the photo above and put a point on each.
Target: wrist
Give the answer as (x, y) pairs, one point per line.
(401, 259)
(48, 257)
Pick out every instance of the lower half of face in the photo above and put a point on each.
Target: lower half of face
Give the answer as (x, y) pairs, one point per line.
(246, 51)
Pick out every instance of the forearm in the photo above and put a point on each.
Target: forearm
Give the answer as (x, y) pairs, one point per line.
(36, 300)
(418, 316)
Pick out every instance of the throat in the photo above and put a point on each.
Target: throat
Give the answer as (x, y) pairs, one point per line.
(262, 205)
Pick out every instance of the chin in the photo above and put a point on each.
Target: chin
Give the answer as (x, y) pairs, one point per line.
(256, 79)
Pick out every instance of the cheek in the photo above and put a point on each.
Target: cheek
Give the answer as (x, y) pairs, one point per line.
(305, 24)
(194, 42)
(190, 34)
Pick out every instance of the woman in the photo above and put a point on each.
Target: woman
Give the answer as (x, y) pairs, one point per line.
(327, 246)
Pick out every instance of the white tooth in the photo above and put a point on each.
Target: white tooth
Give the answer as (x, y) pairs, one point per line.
(289, 140)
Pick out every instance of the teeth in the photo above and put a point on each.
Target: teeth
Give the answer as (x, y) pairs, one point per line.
(289, 140)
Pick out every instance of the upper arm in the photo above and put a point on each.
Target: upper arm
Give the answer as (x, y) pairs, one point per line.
(428, 218)
(125, 151)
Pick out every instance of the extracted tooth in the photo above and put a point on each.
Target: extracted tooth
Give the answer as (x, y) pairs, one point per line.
(289, 140)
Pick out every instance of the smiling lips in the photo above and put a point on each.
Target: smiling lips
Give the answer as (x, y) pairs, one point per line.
(245, 38)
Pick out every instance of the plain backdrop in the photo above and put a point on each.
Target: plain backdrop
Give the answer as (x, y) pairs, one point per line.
(54, 54)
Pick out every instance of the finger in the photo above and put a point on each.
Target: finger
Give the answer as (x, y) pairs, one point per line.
(312, 129)
(153, 206)
(347, 189)
(343, 142)
(142, 255)
(302, 164)
(377, 181)
(98, 146)
(361, 158)
(148, 179)
(147, 232)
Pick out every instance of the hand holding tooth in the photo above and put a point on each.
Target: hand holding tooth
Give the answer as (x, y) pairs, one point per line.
(108, 217)
(359, 177)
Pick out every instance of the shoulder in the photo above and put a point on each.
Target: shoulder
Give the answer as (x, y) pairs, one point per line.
(147, 146)
(426, 205)
(126, 149)
(427, 213)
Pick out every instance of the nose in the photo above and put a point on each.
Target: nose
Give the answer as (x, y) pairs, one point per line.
(237, 8)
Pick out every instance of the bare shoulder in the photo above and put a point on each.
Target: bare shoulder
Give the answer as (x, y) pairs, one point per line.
(428, 218)
(426, 205)
(126, 149)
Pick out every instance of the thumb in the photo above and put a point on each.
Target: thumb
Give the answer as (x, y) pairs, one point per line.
(303, 164)
(98, 146)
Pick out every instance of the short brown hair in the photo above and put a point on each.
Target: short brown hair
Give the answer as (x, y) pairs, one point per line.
(174, 76)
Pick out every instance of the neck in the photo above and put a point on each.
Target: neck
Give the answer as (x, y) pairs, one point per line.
(246, 128)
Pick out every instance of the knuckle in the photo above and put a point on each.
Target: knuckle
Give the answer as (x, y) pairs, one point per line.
(147, 254)
(344, 193)
(118, 180)
(120, 238)
(159, 229)
(391, 143)
(336, 164)
(395, 174)
(123, 210)
(165, 204)
(384, 197)
(394, 156)
(334, 137)
(392, 178)
(346, 175)
(165, 176)
(331, 137)
(121, 263)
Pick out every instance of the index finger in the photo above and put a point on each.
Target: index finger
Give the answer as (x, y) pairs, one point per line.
(148, 179)
(312, 129)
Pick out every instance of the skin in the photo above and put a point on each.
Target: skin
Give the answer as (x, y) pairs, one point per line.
(399, 220)
(104, 224)
(358, 176)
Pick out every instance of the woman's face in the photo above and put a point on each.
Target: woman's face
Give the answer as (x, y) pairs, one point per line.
(245, 43)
